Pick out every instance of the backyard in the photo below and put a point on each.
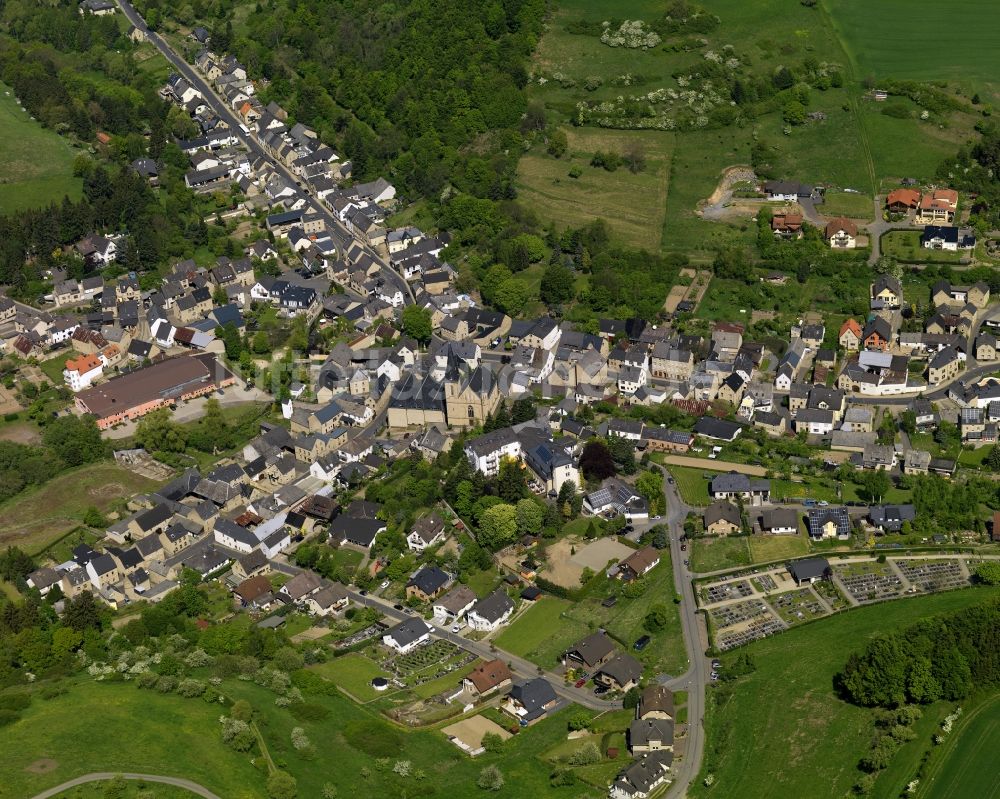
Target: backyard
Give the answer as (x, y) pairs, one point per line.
(546, 630)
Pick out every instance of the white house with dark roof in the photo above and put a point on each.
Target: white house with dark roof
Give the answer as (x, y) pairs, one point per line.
(490, 613)
(407, 635)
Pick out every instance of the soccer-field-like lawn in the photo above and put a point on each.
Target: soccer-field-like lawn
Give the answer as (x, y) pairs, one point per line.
(783, 731)
(36, 164)
(972, 761)
(954, 41)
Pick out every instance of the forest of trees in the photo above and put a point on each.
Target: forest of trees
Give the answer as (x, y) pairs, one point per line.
(943, 657)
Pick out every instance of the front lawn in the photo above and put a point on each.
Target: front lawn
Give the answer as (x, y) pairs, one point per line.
(905, 246)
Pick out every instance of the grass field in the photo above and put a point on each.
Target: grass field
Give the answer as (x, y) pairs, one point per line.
(633, 205)
(969, 762)
(36, 518)
(541, 633)
(956, 41)
(359, 736)
(857, 146)
(36, 164)
(354, 673)
(765, 548)
(692, 484)
(789, 698)
(904, 245)
(156, 734)
(712, 554)
(843, 203)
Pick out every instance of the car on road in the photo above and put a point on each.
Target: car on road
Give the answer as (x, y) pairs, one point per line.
(641, 643)
(823, 503)
(580, 683)
(809, 503)
(684, 547)
(397, 606)
(687, 562)
(363, 592)
(670, 480)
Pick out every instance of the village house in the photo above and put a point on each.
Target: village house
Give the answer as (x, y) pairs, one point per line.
(487, 678)
(407, 635)
(850, 335)
(427, 584)
(841, 233)
(722, 518)
(530, 700)
(490, 613)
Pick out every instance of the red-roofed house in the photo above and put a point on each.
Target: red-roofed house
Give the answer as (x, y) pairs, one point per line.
(850, 335)
(937, 207)
(899, 201)
(81, 371)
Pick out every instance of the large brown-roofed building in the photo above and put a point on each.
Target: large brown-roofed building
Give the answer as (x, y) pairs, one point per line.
(137, 393)
(488, 677)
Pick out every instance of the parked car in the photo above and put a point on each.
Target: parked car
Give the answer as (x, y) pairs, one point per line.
(397, 606)
(580, 683)
(809, 503)
(822, 503)
(641, 643)
(716, 664)
(456, 628)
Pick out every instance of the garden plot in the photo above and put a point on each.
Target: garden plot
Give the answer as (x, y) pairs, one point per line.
(796, 607)
(869, 581)
(933, 575)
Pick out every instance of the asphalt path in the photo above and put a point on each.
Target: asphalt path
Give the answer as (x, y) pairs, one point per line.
(341, 234)
(100, 776)
(696, 678)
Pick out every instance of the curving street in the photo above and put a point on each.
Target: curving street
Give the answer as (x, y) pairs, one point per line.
(100, 776)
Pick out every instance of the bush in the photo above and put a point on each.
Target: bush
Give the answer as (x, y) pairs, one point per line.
(490, 779)
(585, 755)
(282, 785)
(166, 684)
(238, 734)
(192, 689)
(562, 778)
